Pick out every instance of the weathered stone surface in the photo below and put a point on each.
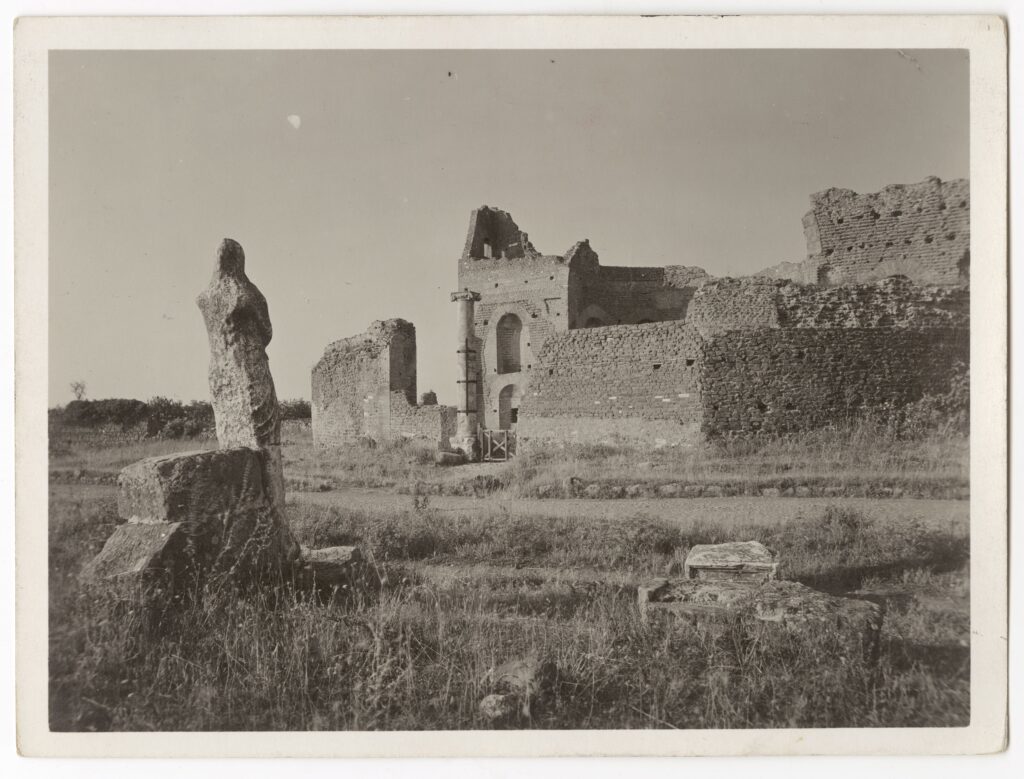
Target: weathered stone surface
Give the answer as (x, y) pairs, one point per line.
(140, 555)
(498, 709)
(519, 682)
(788, 605)
(238, 327)
(741, 560)
(333, 566)
(450, 458)
(177, 487)
(244, 400)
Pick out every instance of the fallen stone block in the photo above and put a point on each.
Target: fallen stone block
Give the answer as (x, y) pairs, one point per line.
(333, 566)
(790, 606)
(192, 485)
(140, 555)
(519, 684)
(745, 560)
(448, 459)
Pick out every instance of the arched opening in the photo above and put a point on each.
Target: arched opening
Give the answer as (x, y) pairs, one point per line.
(508, 407)
(593, 322)
(488, 249)
(510, 334)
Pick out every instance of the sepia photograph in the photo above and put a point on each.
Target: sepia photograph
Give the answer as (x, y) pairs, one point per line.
(508, 389)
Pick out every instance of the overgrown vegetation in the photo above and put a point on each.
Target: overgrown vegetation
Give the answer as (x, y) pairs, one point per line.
(465, 592)
(161, 417)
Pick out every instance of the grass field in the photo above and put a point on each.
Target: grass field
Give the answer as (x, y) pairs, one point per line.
(470, 583)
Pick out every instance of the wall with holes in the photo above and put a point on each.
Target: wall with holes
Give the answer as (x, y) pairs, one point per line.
(921, 231)
(790, 379)
(365, 387)
(636, 382)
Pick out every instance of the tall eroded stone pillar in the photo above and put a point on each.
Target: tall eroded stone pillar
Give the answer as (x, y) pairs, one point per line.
(244, 401)
(465, 439)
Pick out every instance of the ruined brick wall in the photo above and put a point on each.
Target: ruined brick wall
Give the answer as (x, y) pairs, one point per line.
(494, 234)
(637, 382)
(433, 422)
(921, 231)
(731, 304)
(757, 302)
(785, 380)
(365, 386)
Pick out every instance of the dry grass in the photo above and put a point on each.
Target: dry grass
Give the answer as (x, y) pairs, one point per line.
(466, 591)
(857, 458)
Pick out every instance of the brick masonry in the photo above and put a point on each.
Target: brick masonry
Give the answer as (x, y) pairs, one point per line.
(759, 356)
(365, 387)
(921, 231)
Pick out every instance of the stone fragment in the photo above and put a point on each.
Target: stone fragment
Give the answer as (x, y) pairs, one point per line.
(497, 709)
(790, 606)
(177, 487)
(592, 490)
(523, 680)
(140, 555)
(746, 560)
(693, 490)
(669, 491)
(244, 400)
(450, 458)
(635, 491)
(713, 491)
(238, 328)
(333, 566)
(770, 492)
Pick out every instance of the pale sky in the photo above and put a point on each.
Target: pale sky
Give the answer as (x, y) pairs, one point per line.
(348, 177)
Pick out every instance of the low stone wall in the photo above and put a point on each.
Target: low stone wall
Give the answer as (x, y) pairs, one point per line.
(786, 380)
(431, 422)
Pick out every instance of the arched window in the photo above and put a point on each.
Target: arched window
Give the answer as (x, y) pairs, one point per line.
(508, 407)
(488, 249)
(510, 333)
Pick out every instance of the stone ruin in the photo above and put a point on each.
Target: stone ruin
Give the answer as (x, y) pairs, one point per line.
(737, 582)
(364, 387)
(198, 516)
(560, 348)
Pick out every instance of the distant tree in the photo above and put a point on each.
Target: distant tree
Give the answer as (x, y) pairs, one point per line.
(78, 390)
(295, 409)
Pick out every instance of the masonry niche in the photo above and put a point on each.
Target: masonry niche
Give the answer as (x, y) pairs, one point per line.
(510, 335)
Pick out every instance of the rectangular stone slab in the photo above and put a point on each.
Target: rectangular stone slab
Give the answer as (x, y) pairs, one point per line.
(744, 560)
(192, 485)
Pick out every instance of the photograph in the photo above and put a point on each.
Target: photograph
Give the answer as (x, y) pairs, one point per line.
(449, 386)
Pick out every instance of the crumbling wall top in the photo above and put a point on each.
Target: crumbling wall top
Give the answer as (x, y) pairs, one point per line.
(373, 340)
(493, 234)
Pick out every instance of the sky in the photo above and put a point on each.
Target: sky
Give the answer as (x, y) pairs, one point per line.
(349, 177)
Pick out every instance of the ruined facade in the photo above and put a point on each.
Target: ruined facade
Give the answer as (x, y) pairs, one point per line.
(526, 296)
(921, 231)
(365, 387)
